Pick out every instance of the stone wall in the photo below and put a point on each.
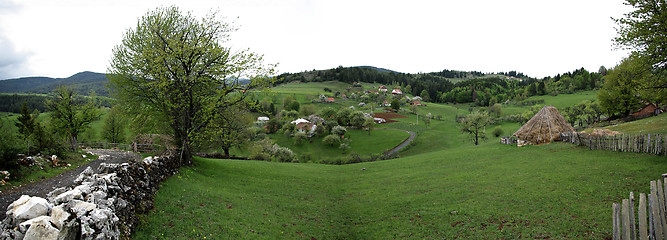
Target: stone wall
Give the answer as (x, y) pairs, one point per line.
(99, 206)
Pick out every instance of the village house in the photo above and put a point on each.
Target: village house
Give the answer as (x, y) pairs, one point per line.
(417, 103)
(397, 92)
(647, 110)
(330, 100)
(382, 89)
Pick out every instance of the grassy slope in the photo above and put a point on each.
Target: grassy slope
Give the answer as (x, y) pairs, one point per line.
(362, 144)
(496, 191)
(657, 124)
(557, 191)
(560, 101)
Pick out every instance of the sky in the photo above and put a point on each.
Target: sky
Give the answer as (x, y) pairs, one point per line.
(539, 38)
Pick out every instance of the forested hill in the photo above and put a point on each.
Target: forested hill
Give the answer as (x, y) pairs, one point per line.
(82, 83)
(434, 83)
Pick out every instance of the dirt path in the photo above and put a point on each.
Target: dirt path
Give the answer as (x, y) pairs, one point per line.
(403, 144)
(41, 188)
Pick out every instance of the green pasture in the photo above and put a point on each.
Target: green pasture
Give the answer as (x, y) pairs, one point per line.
(656, 124)
(560, 101)
(379, 141)
(555, 191)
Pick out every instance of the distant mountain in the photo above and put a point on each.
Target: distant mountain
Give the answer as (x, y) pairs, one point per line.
(82, 83)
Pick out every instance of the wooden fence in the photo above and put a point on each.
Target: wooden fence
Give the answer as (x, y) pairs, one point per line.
(641, 143)
(648, 225)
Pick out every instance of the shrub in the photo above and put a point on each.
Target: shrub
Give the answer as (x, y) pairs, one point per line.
(9, 147)
(273, 125)
(299, 137)
(282, 154)
(498, 131)
(339, 130)
(261, 150)
(331, 140)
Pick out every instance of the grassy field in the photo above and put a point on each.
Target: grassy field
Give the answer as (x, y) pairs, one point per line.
(500, 191)
(657, 124)
(361, 143)
(561, 101)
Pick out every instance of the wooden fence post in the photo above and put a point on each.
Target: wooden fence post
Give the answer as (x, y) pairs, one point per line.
(625, 212)
(661, 204)
(633, 229)
(655, 211)
(616, 221)
(643, 234)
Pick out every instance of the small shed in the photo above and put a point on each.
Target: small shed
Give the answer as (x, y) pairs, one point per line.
(648, 109)
(545, 127)
(263, 119)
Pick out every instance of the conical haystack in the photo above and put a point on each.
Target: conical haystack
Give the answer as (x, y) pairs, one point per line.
(544, 127)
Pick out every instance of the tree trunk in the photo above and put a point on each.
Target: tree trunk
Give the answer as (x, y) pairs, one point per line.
(226, 149)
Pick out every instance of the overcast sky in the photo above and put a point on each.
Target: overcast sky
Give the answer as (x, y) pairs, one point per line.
(539, 38)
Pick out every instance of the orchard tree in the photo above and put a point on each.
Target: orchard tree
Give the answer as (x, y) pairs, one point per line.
(113, 129)
(424, 95)
(619, 95)
(475, 124)
(230, 129)
(395, 105)
(176, 66)
(369, 124)
(70, 115)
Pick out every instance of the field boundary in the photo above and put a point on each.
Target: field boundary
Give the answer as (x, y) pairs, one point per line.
(625, 225)
(639, 143)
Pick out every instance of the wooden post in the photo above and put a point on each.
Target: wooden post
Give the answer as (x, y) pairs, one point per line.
(661, 205)
(643, 234)
(631, 202)
(655, 211)
(625, 212)
(616, 221)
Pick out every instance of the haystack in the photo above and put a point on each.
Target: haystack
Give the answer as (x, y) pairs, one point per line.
(544, 127)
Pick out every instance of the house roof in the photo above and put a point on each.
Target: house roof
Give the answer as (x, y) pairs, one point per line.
(648, 108)
(396, 91)
(383, 87)
(300, 120)
(263, 119)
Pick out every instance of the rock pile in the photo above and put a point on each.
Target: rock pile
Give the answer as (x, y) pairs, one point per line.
(99, 206)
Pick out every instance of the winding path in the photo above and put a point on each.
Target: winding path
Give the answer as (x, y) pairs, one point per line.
(41, 188)
(403, 144)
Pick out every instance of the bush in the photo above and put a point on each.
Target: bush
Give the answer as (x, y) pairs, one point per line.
(261, 150)
(282, 154)
(299, 137)
(331, 140)
(498, 131)
(10, 146)
(339, 130)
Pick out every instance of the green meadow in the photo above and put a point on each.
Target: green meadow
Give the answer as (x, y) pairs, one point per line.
(484, 192)
(442, 187)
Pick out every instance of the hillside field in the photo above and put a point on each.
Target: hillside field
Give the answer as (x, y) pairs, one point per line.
(442, 186)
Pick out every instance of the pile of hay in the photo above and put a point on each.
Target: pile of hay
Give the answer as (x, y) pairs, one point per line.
(543, 128)
(603, 132)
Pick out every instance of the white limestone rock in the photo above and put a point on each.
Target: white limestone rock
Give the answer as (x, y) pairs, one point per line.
(59, 216)
(23, 227)
(41, 230)
(34, 207)
(80, 207)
